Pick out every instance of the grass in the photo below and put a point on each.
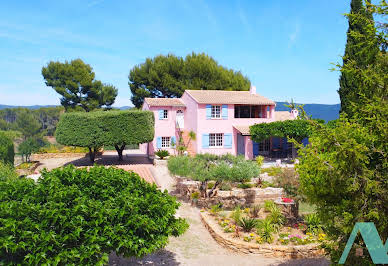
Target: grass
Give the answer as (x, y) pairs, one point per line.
(25, 165)
(305, 208)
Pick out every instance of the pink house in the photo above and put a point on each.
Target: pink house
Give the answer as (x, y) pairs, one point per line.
(220, 119)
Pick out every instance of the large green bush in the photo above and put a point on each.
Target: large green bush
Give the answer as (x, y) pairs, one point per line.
(7, 171)
(7, 152)
(207, 167)
(112, 128)
(79, 216)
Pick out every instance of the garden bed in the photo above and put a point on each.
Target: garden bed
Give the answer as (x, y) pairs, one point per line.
(228, 199)
(247, 242)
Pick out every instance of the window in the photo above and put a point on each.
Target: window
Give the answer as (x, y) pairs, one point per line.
(165, 114)
(166, 142)
(216, 111)
(247, 111)
(264, 145)
(216, 140)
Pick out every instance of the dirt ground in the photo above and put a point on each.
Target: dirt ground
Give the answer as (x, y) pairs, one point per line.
(196, 246)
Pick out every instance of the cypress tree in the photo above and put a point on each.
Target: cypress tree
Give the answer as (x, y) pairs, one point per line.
(360, 51)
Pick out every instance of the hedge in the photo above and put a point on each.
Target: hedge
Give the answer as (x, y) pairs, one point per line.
(78, 217)
(7, 152)
(113, 128)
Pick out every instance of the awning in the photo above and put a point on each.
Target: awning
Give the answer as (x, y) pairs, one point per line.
(244, 130)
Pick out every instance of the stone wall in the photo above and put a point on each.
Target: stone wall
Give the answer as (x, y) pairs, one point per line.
(41, 156)
(229, 199)
(268, 250)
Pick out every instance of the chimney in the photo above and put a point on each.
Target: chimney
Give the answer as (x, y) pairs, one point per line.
(294, 113)
(252, 90)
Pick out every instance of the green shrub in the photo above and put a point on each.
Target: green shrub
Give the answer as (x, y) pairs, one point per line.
(272, 171)
(28, 147)
(265, 229)
(236, 215)
(269, 205)
(289, 181)
(313, 222)
(7, 152)
(260, 161)
(96, 129)
(276, 216)
(180, 165)
(225, 186)
(162, 153)
(254, 211)
(245, 185)
(214, 209)
(79, 216)
(7, 171)
(247, 223)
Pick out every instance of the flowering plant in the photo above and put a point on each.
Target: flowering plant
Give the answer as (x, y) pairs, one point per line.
(287, 200)
(300, 226)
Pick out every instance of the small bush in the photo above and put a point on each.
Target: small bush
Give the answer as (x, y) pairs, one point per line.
(28, 147)
(210, 185)
(245, 185)
(254, 211)
(276, 216)
(269, 205)
(265, 229)
(162, 154)
(260, 161)
(272, 171)
(247, 224)
(289, 181)
(57, 148)
(7, 171)
(225, 187)
(236, 215)
(215, 208)
(195, 195)
(313, 222)
(7, 152)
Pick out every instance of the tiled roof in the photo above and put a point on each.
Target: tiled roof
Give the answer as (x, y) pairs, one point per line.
(228, 97)
(164, 102)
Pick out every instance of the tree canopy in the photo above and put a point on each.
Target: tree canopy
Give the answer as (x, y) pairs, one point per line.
(96, 129)
(75, 82)
(79, 216)
(361, 50)
(344, 169)
(169, 76)
(7, 152)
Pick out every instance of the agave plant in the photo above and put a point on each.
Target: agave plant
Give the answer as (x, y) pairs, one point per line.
(276, 216)
(247, 223)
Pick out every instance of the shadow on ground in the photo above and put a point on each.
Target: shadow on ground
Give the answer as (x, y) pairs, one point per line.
(161, 257)
(306, 262)
(112, 160)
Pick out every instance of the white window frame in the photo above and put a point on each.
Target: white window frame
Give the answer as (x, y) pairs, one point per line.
(216, 111)
(216, 140)
(165, 114)
(166, 142)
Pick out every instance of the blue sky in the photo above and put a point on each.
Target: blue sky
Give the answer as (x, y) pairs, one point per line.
(286, 48)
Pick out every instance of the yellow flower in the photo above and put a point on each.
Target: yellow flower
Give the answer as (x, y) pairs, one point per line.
(252, 234)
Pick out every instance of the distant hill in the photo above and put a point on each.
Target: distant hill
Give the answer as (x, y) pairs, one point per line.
(2, 106)
(323, 111)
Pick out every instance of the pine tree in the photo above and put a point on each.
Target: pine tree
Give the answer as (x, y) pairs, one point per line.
(360, 51)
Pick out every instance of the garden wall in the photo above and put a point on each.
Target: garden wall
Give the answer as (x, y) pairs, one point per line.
(228, 199)
(267, 250)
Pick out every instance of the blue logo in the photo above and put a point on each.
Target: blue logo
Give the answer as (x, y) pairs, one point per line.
(373, 242)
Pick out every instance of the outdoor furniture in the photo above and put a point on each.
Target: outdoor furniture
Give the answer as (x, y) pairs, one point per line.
(275, 153)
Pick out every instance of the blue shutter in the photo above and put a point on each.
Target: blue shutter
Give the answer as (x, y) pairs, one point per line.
(159, 142)
(228, 139)
(305, 141)
(224, 111)
(205, 141)
(161, 114)
(255, 147)
(173, 141)
(208, 111)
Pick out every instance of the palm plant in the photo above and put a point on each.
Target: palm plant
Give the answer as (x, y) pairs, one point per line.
(268, 205)
(247, 223)
(265, 229)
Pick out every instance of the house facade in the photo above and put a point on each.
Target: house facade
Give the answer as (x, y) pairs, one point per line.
(220, 120)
